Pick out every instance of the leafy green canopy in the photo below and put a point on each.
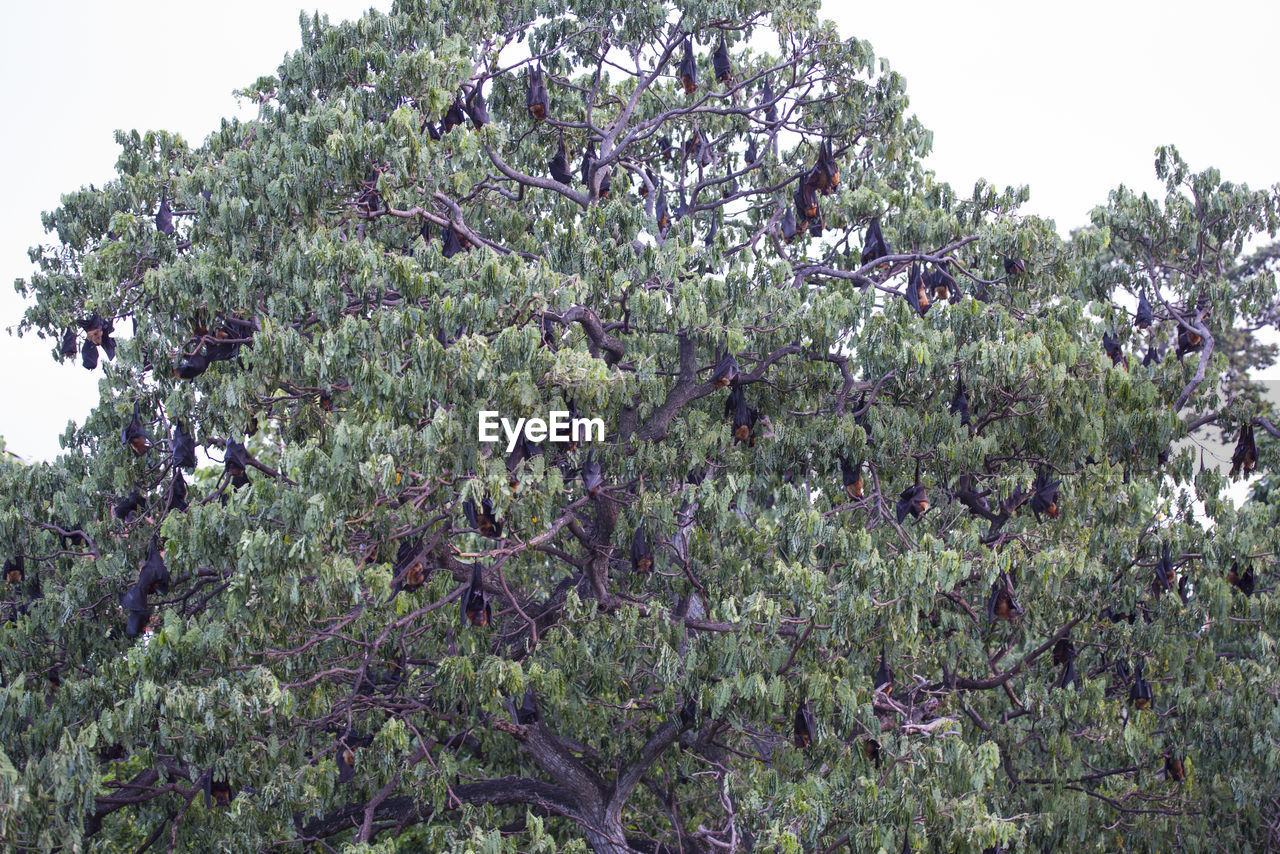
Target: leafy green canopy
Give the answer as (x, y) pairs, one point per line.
(349, 280)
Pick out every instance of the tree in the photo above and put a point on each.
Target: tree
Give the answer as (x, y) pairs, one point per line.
(933, 483)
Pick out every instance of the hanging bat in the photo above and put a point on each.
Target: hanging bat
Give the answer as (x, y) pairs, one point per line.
(476, 607)
(15, 569)
(217, 794)
(1173, 768)
(476, 107)
(824, 177)
(704, 154)
(528, 712)
(410, 570)
(1015, 500)
(1064, 650)
(1001, 605)
(874, 247)
(1067, 677)
(805, 729)
(69, 346)
(712, 231)
(720, 62)
(744, 417)
(1188, 341)
(769, 101)
(726, 371)
(482, 520)
(940, 283)
(852, 478)
(884, 675)
(1245, 456)
(133, 436)
(916, 295)
(913, 500)
(788, 226)
(665, 149)
(175, 497)
(1140, 693)
(588, 159)
(660, 211)
(817, 224)
(127, 506)
(138, 614)
(592, 477)
(535, 98)
(453, 117)
(1164, 572)
(641, 553)
(682, 209)
(1242, 580)
(549, 335)
(975, 501)
(235, 462)
(164, 216)
(960, 403)
(94, 328)
(345, 756)
(871, 750)
(188, 366)
(650, 180)
(1145, 315)
(688, 68)
(806, 201)
(89, 355)
(1015, 266)
(1112, 348)
(752, 156)
(153, 577)
(559, 165)
(183, 454)
(452, 243)
(1153, 356)
(1044, 496)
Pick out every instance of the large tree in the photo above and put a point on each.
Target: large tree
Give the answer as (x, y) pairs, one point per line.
(893, 544)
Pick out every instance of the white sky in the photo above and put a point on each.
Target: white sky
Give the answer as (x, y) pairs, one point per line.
(1071, 99)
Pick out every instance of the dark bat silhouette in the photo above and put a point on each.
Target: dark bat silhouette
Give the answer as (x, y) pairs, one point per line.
(477, 610)
(183, 453)
(726, 371)
(1145, 315)
(960, 402)
(641, 553)
(688, 68)
(476, 107)
(164, 216)
(805, 729)
(559, 165)
(1044, 496)
(720, 62)
(536, 97)
(1245, 456)
(874, 247)
(884, 675)
(133, 436)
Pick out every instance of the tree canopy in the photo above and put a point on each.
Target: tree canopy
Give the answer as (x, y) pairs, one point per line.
(895, 541)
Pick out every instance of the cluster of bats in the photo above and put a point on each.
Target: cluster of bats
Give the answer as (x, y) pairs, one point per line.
(1127, 680)
(926, 284)
(154, 576)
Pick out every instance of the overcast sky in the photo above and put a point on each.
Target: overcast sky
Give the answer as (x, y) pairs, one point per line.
(1071, 99)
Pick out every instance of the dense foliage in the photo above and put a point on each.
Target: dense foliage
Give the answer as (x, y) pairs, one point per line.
(891, 544)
